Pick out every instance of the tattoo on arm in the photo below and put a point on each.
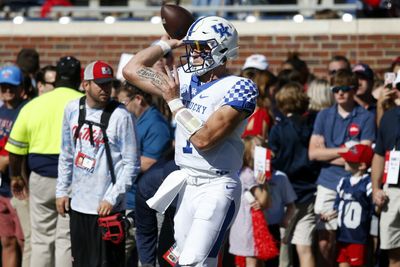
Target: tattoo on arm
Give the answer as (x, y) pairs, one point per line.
(154, 77)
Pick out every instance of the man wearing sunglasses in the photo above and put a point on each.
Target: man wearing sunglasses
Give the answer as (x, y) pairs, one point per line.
(335, 130)
(12, 90)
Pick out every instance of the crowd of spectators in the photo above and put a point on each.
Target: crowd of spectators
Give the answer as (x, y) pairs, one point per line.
(309, 123)
(365, 8)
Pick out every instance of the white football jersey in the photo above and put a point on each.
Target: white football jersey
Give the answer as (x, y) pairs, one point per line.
(203, 100)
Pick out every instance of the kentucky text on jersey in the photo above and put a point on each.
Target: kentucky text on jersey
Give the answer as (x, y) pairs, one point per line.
(195, 107)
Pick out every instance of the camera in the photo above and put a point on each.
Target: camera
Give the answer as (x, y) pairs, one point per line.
(114, 227)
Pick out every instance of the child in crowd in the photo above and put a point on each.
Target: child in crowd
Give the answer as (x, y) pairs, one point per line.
(241, 235)
(282, 195)
(282, 208)
(353, 207)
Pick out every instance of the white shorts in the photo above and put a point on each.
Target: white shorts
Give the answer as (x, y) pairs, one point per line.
(323, 204)
(206, 208)
(305, 226)
(389, 227)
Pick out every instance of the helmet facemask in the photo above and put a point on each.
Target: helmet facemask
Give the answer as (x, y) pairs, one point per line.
(202, 49)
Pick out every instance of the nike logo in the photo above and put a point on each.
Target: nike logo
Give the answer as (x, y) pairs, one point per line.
(353, 259)
(230, 187)
(203, 96)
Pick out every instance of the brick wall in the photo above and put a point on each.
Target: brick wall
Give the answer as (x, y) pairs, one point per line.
(378, 50)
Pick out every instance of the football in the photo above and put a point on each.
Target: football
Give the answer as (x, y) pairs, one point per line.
(176, 20)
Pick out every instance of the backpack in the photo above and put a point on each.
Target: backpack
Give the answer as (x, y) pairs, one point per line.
(104, 120)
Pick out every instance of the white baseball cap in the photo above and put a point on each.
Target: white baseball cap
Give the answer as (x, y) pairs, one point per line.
(256, 61)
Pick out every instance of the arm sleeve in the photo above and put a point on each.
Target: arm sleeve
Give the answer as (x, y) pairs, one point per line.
(66, 158)
(156, 141)
(369, 129)
(319, 123)
(289, 196)
(368, 190)
(127, 142)
(338, 190)
(248, 179)
(18, 142)
(274, 140)
(242, 96)
(380, 145)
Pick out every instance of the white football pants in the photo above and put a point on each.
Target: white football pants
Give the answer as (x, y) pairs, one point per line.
(206, 209)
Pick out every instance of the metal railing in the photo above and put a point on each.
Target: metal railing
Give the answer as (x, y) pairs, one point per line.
(138, 9)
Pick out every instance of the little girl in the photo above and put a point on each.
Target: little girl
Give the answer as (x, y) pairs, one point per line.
(241, 235)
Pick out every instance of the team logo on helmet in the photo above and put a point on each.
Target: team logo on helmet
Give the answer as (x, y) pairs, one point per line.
(221, 29)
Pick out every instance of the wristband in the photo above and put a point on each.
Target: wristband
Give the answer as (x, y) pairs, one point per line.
(166, 48)
(175, 104)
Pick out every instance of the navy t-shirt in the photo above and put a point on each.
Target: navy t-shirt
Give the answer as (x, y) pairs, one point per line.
(289, 140)
(388, 136)
(359, 125)
(354, 206)
(7, 119)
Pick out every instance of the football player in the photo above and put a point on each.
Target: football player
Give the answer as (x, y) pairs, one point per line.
(210, 107)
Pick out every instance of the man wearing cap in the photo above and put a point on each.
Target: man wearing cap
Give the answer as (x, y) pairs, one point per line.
(35, 140)
(363, 95)
(11, 85)
(97, 190)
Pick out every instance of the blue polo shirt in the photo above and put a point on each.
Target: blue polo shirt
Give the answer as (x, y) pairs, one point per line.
(154, 135)
(357, 126)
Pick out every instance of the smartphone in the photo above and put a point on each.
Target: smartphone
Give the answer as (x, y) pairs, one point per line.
(389, 79)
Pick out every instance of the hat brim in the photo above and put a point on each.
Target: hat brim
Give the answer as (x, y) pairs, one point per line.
(104, 80)
(14, 83)
(346, 158)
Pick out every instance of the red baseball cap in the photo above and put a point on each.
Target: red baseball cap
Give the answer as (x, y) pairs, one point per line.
(99, 72)
(359, 154)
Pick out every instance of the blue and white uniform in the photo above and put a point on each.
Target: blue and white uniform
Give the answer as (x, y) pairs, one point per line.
(210, 194)
(204, 100)
(90, 178)
(354, 206)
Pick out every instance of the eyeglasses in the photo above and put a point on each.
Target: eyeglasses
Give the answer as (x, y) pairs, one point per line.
(343, 88)
(50, 83)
